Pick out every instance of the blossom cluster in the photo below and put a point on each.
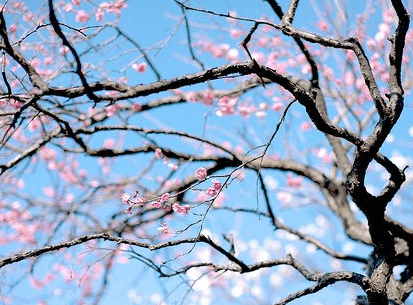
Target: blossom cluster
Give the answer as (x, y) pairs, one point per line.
(160, 202)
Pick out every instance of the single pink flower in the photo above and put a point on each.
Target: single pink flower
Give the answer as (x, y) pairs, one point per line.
(191, 97)
(125, 198)
(322, 25)
(156, 204)
(164, 197)
(158, 153)
(216, 185)
(139, 201)
(201, 174)
(82, 16)
(211, 192)
(141, 67)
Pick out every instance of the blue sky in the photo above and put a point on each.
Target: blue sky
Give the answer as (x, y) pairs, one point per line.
(151, 22)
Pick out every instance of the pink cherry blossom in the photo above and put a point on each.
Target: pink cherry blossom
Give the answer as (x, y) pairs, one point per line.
(181, 210)
(277, 106)
(284, 197)
(304, 126)
(164, 228)
(294, 181)
(111, 109)
(164, 198)
(125, 198)
(48, 60)
(216, 185)
(141, 67)
(99, 14)
(156, 204)
(202, 196)
(173, 166)
(13, 28)
(158, 153)
(185, 209)
(137, 107)
(322, 25)
(176, 207)
(49, 191)
(211, 192)
(139, 201)
(235, 33)
(35, 62)
(207, 97)
(68, 7)
(191, 97)
(82, 16)
(226, 105)
(201, 174)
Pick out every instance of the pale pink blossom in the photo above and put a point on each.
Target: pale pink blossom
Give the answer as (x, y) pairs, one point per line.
(122, 260)
(68, 7)
(111, 110)
(35, 62)
(232, 54)
(322, 25)
(48, 153)
(207, 97)
(202, 196)
(176, 207)
(260, 114)
(158, 153)
(99, 14)
(201, 174)
(294, 181)
(76, 2)
(82, 16)
(211, 192)
(137, 107)
(36, 284)
(182, 210)
(109, 143)
(226, 105)
(185, 209)
(141, 67)
(235, 33)
(49, 191)
(304, 126)
(34, 124)
(156, 204)
(388, 16)
(48, 60)
(277, 106)
(13, 28)
(64, 50)
(349, 78)
(164, 197)
(164, 228)
(125, 198)
(191, 97)
(139, 201)
(173, 166)
(284, 197)
(216, 185)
